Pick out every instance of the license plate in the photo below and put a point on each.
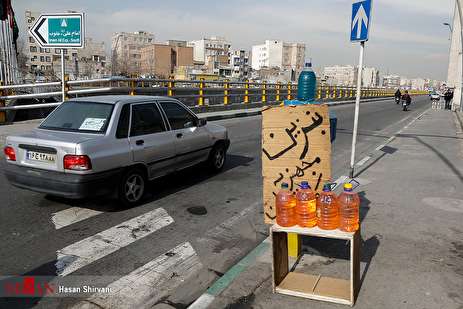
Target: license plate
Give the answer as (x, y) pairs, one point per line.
(40, 156)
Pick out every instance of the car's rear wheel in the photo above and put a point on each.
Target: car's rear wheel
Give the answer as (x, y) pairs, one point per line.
(217, 157)
(132, 187)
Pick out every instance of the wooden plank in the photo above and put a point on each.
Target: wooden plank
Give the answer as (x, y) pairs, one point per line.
(315, 231)
(280, 266)
(295, 147)
(326, 288)
(355, 265)
(294, 245)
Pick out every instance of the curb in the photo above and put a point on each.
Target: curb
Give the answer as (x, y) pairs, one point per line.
(223, 282)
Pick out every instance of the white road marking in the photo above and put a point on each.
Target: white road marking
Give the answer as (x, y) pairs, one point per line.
(88, 250)
(148, 284)
(380, 147)
(363, 161)
(202, 302)
(340, 181)
(72, 215)
(224, 232)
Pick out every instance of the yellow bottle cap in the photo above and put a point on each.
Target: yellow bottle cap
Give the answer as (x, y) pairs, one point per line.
(348, 186)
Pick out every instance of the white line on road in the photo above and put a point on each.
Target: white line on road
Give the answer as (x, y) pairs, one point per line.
(341, 180)
(72, 215)
(223, 232)
(363, 161)
(88, 250)
(146, 285)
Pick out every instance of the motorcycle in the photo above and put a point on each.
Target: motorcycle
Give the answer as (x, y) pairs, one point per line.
(405, 105)
(397, 100)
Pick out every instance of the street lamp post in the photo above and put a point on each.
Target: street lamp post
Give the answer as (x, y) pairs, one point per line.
(451, 30)
(458, 3)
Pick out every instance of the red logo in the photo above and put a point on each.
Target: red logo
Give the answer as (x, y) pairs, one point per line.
(28, 287)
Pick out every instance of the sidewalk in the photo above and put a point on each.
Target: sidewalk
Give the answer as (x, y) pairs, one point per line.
(412, 230)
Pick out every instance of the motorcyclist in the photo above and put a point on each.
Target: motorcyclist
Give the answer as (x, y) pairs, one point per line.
(407, 98)
(397, 95)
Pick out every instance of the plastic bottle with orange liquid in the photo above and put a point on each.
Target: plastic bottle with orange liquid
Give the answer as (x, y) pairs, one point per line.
(306, 206)
(327, 209)
(285, 207)
(349, 207)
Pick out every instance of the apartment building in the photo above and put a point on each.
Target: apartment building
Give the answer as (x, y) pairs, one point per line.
(391, 81)
(279, 54)
(161, 60)
(240, 64)
(370, 77)
(126, 51)
(341, 75)
(207, 50)
(87, 62)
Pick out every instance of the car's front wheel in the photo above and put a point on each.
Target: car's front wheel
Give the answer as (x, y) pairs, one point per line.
(132, 187)
(217, 157)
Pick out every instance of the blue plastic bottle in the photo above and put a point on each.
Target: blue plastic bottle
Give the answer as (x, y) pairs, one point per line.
(307, 84)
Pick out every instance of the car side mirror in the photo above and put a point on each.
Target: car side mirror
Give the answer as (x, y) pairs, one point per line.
(202, 122)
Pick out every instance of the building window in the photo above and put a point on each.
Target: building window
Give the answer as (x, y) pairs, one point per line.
(33, 49)
(47, 59)
(74, 54)
(31, 40)
(57, 51)
(41, 50)
(42, 58)
(33, 59)
(42, 67)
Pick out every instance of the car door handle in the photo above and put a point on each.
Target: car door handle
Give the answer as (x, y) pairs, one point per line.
(140, 142)
(179, 135)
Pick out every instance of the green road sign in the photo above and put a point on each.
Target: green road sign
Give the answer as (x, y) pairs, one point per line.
(60, 30)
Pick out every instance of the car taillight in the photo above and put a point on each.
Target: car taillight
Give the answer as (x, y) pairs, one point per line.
(9, 153)
(77, 163)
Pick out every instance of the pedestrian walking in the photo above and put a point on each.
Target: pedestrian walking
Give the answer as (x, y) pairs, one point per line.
(448, 96)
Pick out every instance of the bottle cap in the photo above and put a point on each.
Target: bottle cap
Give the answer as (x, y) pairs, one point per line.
(348, 187)
(284, 185)
(327, 187)
(304, 185)
(308, 64)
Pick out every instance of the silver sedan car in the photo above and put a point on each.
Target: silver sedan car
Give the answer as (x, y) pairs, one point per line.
(100, 145)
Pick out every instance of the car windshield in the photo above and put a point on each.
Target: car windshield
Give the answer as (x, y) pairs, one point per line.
(88, 117)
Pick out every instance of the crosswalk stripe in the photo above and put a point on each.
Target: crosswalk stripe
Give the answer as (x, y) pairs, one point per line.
(88, 250)
(148, 284)
(72, 215)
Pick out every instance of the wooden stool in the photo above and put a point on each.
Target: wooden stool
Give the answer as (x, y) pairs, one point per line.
(314, 286)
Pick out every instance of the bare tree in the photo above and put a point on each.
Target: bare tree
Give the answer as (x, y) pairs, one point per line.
(22, 59)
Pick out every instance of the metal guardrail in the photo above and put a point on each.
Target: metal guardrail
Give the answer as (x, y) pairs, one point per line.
(202, 89)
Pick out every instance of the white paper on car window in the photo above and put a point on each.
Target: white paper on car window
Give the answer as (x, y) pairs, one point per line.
(92, 124)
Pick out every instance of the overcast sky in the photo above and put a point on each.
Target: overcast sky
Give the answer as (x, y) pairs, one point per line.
(407, 36)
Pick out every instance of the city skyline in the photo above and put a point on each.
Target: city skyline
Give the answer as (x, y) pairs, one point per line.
(401, 42)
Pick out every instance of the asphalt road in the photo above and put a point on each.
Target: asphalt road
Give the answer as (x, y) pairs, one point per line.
(173, 253)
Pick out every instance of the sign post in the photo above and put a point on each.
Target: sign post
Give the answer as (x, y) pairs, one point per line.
(63, 31)
(359, 32)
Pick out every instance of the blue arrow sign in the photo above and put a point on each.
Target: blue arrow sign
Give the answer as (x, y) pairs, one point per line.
(360, 22)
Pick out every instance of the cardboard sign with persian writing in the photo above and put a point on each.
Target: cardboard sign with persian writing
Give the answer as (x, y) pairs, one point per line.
(295, 147)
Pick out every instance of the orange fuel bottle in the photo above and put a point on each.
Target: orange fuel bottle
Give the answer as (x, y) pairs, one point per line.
(306, 206)
(349, 207)
(285, 207)
(328, 209)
